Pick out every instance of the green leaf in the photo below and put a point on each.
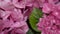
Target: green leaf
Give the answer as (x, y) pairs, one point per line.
(30, 32)
(34, 18)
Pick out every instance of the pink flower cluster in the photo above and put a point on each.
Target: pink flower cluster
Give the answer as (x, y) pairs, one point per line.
(12, 16)
(13, 21)
(50, 21)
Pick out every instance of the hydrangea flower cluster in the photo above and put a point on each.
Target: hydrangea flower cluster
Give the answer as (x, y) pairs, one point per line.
(12, 19)
(50, 21)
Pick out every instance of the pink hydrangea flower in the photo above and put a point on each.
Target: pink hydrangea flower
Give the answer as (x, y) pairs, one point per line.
(50, 22)
(49, 25)
(12, 19)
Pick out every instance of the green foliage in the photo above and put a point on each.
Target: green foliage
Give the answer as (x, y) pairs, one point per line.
(34, 18)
